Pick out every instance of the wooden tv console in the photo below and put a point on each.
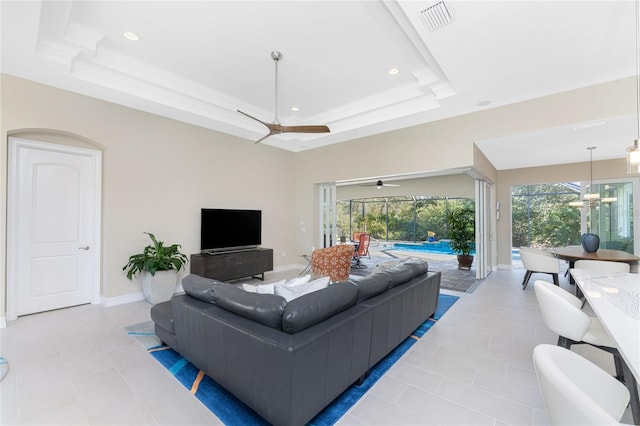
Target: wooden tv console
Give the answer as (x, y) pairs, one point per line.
(231, 265)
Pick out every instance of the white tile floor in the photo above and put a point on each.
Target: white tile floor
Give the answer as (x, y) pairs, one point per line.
(78, 366)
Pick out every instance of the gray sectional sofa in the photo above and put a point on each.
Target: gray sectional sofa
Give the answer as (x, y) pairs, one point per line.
(288, 360)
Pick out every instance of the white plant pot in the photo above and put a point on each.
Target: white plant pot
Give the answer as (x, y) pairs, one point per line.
(160, 287)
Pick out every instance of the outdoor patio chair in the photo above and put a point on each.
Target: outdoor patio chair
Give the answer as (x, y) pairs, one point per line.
(361, 250)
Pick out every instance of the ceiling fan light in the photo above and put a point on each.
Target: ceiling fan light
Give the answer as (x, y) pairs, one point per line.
(609, 199)
(576, 204)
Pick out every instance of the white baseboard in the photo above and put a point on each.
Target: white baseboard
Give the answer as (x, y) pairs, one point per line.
(136, 297)
(119, 300)
(3, 322)
(287, 267)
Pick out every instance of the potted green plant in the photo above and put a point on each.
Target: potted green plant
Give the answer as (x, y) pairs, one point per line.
(158, 266)
(462, 234)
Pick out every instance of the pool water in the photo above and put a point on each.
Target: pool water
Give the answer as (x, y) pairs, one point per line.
(437, 247)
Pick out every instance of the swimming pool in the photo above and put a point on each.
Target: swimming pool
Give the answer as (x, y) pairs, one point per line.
(437, 247)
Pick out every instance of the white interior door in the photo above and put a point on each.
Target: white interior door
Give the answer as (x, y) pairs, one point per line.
(53, 226)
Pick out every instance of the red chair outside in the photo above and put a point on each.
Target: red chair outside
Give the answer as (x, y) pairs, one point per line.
(361, 251)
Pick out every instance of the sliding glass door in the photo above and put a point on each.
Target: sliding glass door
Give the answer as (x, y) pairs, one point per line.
(327, 202)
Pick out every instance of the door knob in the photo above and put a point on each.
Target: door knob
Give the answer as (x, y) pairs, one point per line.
(83, 248)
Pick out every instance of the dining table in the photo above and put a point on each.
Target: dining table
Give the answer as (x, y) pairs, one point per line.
(615, 299)
(576, 252)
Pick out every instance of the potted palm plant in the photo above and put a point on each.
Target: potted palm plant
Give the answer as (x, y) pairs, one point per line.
(462, 234)
(158, 266)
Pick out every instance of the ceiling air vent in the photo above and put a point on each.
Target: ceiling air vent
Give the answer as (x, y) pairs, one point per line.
(436, 16)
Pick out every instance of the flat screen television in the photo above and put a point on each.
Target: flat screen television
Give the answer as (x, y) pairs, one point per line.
(225, 229)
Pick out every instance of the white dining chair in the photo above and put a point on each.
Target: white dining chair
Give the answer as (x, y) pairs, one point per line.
(561, 312)
(599, 265)
(602, 265)
(576, 391)
(539, 261)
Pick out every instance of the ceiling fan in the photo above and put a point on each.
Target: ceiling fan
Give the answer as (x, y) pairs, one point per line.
(379, 184)
(276, 128)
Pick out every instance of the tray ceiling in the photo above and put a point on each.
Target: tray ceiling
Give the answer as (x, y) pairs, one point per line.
(200, 61)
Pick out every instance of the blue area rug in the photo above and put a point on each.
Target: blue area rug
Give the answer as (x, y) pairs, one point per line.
(232, 411)
(4, 368)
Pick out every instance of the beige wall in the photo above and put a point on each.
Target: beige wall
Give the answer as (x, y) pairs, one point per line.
(455, 185)
(416, 150)
(483, 167)
(449, 145)
(157, 174)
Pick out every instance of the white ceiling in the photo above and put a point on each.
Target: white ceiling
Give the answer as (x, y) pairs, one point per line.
(201, 61)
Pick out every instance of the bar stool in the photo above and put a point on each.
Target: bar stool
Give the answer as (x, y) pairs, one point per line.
(599, 265)
(562, 313)
(576, 391)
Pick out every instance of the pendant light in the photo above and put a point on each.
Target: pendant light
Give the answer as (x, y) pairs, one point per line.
(633, 152)
(592, 198)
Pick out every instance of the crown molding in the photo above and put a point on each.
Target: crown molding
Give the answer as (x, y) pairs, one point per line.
(85, 53)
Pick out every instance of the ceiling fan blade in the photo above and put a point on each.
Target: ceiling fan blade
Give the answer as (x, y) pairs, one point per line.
(264, 137)
(253, 118)
(272, 131)
(275, 127)
(305, 129)
(272, 127)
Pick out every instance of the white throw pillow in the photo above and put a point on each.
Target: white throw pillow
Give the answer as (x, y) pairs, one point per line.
(291, 292)
(294, 282)
(268, 288)
(248, 288)
(386, 266)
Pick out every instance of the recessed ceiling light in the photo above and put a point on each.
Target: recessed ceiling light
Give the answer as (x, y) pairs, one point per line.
(131, 36)
(393, 71)
(483, 103)
(295, 109)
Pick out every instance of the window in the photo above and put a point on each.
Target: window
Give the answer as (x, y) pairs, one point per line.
(612, 221)
(412, 218)
(541, 215)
